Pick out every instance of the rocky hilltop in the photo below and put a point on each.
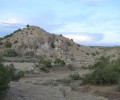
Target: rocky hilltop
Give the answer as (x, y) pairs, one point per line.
(36, 42)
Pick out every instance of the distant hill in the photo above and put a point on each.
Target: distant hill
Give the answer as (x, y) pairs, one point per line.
(36, 42)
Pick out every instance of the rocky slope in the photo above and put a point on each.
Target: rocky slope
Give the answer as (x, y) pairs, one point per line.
(35, 41)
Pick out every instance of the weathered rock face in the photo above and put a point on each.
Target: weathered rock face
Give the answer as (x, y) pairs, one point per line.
(35, 40)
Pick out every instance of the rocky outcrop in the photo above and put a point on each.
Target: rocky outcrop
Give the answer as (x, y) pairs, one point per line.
(34, 40)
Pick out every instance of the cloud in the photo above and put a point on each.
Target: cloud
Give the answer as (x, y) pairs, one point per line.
(12, 20)
(9, 25)
(93, 1)
(84, 37)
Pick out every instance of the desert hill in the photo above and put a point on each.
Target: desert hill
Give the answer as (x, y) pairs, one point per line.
(36, 42)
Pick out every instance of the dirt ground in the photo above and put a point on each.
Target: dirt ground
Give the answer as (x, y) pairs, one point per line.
(30, 88)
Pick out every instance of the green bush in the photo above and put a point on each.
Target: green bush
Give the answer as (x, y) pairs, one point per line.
(70, 67)
(8, 44)
(12, 70)
(53, 45)
(15, 41)
(17, 75)
(70, 78)
(14, 74)
(30, 53)
(1, 43)
(103, 72)
(44, 69)
(27, 25)
(5, 76)
(93, 54)
(65, 81)
(10, 53)
(75, 76)
(44, 65)
(59, 62)
(68, 44)
(101, 63)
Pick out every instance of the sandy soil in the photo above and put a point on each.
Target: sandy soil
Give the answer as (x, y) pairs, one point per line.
(30, 88)
(25, 89)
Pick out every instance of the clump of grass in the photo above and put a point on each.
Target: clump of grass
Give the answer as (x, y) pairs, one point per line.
(10, 53)
(70, 78)
(75, 76)
(50, 82)
(65, 81)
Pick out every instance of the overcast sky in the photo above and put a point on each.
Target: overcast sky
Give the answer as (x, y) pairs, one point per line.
(88, 22)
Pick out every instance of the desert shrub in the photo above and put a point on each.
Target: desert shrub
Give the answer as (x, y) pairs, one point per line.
(50, 83)
(93, 54)
(53, 45)
(60, 34)
(15, 41)
(70, 67)
(1, 43)
(14, 74)
(68, 43)
(7, 74)
(78, 45)
(97, 52)
(102, 62)
(44, 64)
(68, 80)
(8, 44)
(27, 25)
(44, 69)
(18, 75)
(77, 48)
(65, 81)
(1, 39)
(10, 53)
(72, 59)
(75, 76)
(30, 53)
(59, 62)
(103, 72)
(4, 77)
(12, 70)
(87, 53)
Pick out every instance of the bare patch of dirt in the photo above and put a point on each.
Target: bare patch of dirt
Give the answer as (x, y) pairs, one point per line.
(30, 87)
(109, 92)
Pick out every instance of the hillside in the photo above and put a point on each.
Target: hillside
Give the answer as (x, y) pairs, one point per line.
(35, 42)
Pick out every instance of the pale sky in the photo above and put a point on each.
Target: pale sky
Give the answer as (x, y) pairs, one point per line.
(87, 22)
